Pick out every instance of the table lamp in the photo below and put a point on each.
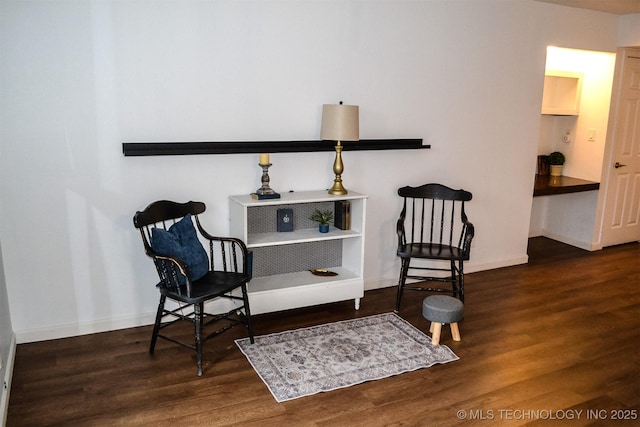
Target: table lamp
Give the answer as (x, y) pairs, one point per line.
(339, 123)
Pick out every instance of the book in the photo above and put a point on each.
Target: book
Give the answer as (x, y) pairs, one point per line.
(342, 214)
(285, 220)
(265, 196)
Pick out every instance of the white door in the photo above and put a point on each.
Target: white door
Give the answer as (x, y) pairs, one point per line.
(621, 215)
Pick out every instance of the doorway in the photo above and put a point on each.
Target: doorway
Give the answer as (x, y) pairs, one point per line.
(587, 130)
(581, 137)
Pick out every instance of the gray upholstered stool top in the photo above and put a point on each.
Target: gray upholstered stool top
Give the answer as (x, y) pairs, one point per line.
(442, 309)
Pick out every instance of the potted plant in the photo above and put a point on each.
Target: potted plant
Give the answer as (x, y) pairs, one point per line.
(323, 218)
(556, 160)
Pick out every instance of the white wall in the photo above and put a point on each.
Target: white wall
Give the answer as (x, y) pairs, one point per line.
(7, 346)
(629, 30)
(78, 78)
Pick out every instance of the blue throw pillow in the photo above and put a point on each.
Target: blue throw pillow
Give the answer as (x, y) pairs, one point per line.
(181, 241)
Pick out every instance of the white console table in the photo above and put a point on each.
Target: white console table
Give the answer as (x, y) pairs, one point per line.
(282, 260)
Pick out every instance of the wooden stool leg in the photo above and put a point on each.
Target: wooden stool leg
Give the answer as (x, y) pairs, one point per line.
(431, 327)
(437, 328)
(455, 332)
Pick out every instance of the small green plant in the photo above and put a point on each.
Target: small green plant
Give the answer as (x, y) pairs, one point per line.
(322, 217)
(556, 158)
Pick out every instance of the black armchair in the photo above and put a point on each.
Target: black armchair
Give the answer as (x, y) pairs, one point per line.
(191, 275)
(433, 226)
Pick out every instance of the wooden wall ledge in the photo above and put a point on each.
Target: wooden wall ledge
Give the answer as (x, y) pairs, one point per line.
(188, 148)
(546, 185)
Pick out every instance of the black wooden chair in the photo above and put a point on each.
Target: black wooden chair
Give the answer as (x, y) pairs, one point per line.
(433, 228)
(191, 275)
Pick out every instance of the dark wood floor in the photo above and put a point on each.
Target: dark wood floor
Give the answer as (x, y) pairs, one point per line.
(561, 333)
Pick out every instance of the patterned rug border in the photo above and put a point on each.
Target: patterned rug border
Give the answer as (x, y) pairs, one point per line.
(282, 391)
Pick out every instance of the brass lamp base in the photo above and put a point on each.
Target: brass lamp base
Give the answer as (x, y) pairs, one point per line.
(338, 167)
(338, 189)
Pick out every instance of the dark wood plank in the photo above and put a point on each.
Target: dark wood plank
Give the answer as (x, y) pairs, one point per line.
(561, 333)
(236, 147)
(547, 185)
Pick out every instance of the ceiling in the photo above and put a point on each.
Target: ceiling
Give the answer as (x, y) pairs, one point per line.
(618, 7)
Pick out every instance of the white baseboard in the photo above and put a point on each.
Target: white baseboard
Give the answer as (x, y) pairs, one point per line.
(508, 262)
(6, 382)
(370, 285)
(468, 268)
(587, 246)
(71, 330)
(85, 328)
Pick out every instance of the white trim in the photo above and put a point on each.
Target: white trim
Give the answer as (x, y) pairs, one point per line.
(144, 319)
(508, 262)
(468, 268)
(379, 284)
(105, 325)
(84, 328)
(6, 385)
(588, 246)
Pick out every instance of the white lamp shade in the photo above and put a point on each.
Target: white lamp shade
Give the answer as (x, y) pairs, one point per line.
(340, 122)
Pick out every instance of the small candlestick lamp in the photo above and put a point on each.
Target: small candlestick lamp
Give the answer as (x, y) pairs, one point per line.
(265, 191)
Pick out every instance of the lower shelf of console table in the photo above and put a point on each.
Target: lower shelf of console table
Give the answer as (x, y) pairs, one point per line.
(303, 289)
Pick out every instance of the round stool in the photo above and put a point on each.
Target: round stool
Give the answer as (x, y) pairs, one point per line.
(440, 310)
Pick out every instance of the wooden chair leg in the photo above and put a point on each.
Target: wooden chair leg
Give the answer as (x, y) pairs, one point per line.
(454, 280)
(156, 326)
(455, 332)
(247, 312)
(461, 280)
(437, 329)
(404, 268)
(198, 309)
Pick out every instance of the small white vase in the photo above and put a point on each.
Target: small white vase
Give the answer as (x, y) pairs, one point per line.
(556, 170)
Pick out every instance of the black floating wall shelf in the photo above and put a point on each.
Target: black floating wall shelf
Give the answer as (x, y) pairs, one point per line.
(186, 148)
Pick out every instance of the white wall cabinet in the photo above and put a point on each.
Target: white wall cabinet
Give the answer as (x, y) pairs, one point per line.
(562, 92)
(282, 261)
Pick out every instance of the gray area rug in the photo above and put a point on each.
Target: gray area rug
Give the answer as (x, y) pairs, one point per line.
(327, 357)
